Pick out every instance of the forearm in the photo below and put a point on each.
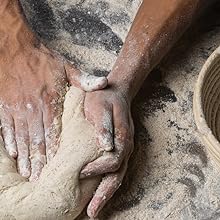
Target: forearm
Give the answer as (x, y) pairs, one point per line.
(155, 29)
(15, 35)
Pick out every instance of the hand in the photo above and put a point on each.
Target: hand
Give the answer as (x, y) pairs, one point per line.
(32, 87)
(109, 111)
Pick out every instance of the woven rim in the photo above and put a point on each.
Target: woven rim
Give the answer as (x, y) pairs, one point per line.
(209, 139)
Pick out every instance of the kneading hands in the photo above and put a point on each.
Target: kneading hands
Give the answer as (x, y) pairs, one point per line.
(31, 111)
(33, 83)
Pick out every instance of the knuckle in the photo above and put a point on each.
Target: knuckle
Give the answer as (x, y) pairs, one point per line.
(116, 163)
(116, 182)
(115, 166)
(102, 131)
(37, 139)
(124, 133)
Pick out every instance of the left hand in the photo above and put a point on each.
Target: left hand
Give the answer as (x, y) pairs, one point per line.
(109, 111)
(31, 106)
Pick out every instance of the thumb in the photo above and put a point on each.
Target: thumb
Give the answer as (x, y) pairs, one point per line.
(84, 80)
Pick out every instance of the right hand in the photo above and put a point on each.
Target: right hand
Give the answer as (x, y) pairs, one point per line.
(109, 111)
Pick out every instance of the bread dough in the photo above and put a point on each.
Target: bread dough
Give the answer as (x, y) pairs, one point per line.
(58, 194)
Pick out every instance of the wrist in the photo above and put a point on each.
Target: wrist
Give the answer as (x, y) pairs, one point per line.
(128, 79)
(131, 68)
(122, 85)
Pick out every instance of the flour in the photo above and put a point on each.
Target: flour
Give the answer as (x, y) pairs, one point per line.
(90, 82)
(105, 136)
(90, 33)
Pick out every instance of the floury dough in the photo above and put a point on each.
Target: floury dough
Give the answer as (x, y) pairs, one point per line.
(59, 194)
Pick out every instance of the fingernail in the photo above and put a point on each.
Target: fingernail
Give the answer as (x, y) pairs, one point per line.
(25, 173)
(85, 174)
(108, 148)
(102, 82)
(105, 143)
(91, 213)
(33, 178)
(93, 210)
(13, 154)
(24, 168)
(82, 176)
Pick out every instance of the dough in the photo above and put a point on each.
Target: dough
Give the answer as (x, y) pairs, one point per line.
(59, 194)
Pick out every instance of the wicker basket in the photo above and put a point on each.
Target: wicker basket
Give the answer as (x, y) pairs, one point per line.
(206, 104)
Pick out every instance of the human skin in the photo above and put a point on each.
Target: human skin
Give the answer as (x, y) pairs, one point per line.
(33, 82)
(157, 26)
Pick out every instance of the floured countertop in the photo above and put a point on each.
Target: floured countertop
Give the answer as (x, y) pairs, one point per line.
(170, 174)
(89, 33)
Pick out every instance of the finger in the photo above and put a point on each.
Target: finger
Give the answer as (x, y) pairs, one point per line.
(91, 83)
(123, 128)
(104, 129)
(101, 117)
(52, 115)
(110, 162)
(84, 80)
(8, 134)
(110, 183)
(22, 140)
(123, 143)
(37, 143)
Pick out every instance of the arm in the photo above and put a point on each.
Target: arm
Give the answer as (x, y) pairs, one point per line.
(157, 26)
(155, 29)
